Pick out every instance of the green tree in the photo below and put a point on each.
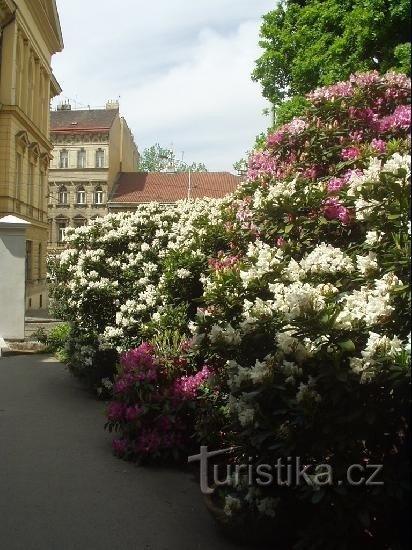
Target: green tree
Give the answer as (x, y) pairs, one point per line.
(310, 43)
(160, 159)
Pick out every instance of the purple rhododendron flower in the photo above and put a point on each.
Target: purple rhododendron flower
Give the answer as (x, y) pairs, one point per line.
(147, 442)
(116, 411)
(133, 412)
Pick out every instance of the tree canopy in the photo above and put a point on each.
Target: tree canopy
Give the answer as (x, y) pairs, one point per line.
(160, 159)
(311, 43)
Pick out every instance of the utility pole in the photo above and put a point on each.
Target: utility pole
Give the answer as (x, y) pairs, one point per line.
(189, 189)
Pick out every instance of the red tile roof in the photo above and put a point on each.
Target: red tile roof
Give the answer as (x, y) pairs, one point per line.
(82, 120)
(168, 187)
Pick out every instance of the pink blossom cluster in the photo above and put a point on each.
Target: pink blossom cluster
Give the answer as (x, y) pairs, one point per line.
(330, 93)
(262, 163)
(296, 126)
(378, 145)
(397, 87)
(186, 387)
(138, 365)
(350, 153)
(223, 262)
(153, 440)
(117, 412)
(335, 185)
(151, 417)
(334, 209)
(400, 119)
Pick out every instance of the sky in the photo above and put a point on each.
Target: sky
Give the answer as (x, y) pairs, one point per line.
(180, 68)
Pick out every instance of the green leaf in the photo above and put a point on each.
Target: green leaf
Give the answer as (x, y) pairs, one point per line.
(347, 345)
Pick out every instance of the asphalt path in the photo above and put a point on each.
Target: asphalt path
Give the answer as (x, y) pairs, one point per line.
(62, 489)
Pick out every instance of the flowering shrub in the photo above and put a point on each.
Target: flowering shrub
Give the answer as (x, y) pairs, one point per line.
(153, 403)
(125, 277)
(296, 290)
(311, 322)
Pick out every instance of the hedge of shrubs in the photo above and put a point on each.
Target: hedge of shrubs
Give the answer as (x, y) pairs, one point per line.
(274, 321)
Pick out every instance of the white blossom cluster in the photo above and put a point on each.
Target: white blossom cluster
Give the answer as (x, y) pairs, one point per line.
(263, 258)
(368, 305)
(379, 348)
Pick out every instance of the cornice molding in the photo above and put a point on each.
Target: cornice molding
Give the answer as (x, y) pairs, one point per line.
(48, 22)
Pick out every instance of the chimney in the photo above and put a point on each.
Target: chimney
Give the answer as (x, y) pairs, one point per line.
(64, 106)
(112, 104)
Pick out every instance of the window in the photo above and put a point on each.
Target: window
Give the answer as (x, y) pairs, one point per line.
(64, 158)
(30, 185)
(40, 259)
(80, 195)
(62, 195)
(41, 189)
(99, 158)
(50, 229)
(98, 195)
(81, 158)
(61, 224)
(79, 221)
(29, 260)
(18, 176)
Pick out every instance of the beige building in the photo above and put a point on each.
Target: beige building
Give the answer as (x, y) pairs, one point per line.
(91, 147)
(30, 34)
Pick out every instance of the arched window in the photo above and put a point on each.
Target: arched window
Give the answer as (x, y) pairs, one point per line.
(98, 195)
(62, 195)
(81, 158)
(61, 226)
(64, 158)
(99, 158)
(80, 195)
(79, 221)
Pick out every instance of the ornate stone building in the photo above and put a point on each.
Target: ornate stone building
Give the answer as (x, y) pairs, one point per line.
(90, 148)
(30, 34)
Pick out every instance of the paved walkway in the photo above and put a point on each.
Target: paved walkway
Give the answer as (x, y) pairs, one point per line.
(60, 486)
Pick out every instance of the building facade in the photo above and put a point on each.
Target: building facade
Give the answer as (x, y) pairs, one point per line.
(30, 34)
(91, 147)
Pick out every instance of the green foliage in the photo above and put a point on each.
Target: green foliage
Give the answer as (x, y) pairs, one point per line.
(319, 42)
(57, 337)
(293, 107)
(159, 159)
(402, 55)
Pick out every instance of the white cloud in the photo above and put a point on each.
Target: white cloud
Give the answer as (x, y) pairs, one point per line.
(182, 70)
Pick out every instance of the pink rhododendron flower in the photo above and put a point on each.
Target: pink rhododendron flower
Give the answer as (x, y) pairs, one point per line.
(133, 412)
(116, 411)
(334, 209)
(223, 263)
(186, 387)
(310, 173)
(398, 120)
(331, 93)
(335, 185)
(379, 145)
(365, 79)
(147, 442)
(356, 136)
(350, 153)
